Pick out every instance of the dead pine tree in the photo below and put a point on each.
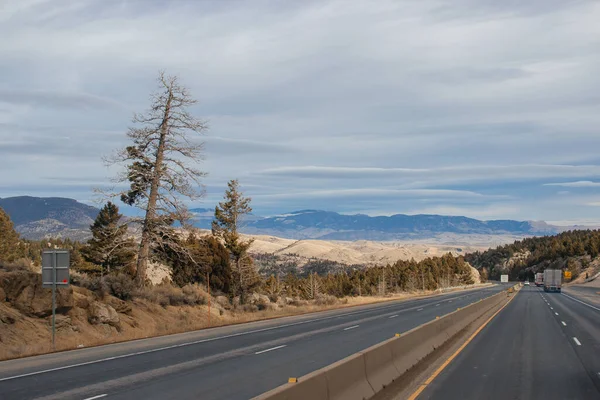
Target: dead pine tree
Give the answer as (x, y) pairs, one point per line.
(160, 168)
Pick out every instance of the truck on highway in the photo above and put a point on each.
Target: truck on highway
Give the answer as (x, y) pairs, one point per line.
(552, 280)
(539, 279)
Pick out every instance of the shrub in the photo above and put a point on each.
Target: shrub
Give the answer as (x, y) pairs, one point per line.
(22, 264)
(326, 300)
(152, 295)
(167, 294)
(93, 283)
(194, 295)
(121, 286)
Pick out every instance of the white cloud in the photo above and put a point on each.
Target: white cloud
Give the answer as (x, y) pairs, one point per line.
(577, 184)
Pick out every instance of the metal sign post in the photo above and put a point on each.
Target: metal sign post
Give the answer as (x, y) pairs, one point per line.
(55, 272)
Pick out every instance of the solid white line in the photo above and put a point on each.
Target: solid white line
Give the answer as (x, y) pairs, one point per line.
(351, 327)
(577, 341)
(420, 309)
(271, 349)
(556, 313)
(563, 322)
(579, 301)
(393, 316)
(201, 341)
(96, 397)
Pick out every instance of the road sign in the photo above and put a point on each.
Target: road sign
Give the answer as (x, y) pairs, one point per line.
(504, 278)
(55, 273)
(55, 261)
(567, 274)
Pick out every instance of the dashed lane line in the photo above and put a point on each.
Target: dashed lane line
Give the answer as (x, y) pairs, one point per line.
(271, 349)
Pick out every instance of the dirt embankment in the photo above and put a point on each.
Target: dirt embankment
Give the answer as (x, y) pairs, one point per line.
(86, 318)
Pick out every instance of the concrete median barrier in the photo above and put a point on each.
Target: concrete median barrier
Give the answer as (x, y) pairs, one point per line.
(362, 375)
(379, 365)
(311, 386)
(347, 379)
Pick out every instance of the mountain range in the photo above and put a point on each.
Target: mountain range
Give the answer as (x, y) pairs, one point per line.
(329, 225)
(36, 217)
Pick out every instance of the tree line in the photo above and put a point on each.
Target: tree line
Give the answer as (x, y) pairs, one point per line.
(570, 250)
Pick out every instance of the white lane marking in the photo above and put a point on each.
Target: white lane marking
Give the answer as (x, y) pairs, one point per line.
(563, 322)
(201, 341)
(420, 309)
(449, 301)
(551, 308)
(351, 327)
(271, 349)
(393, 316)
(577, 341)
(96, 397)
(437, 304)
(579, 301)
(556, 313)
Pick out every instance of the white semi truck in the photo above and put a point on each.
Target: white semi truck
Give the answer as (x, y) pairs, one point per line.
(552, 280)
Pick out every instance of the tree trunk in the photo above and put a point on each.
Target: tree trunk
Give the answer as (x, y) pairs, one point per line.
(144, 253)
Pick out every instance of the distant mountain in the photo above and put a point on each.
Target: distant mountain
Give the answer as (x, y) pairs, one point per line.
(327, 225)
(39, 217)
(203, 217)
(36, 218)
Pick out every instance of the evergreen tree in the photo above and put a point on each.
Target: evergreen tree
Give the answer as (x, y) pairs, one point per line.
(228, 218)
(160, 169)
(110, 247)
(209, 259)
(10, 248)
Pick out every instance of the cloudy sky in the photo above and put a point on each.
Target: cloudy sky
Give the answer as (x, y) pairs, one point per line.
(483, 108)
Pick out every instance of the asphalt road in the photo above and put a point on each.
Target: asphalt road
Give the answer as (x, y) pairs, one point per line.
(541, 346)
(236, 362)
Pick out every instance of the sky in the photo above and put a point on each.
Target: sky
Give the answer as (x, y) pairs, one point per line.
(483, 108)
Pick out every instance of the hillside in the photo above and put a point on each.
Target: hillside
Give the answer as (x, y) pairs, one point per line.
(576, 251)
(358, 252)
(37, 217)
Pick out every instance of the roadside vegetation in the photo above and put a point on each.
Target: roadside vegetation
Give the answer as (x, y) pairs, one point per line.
(574, 251)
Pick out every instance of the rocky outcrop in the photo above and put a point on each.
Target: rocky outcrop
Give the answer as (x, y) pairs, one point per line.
(24, 291)
(100, 313)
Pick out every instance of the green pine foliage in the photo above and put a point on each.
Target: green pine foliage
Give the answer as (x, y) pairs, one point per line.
(110, 247)
(207, 257)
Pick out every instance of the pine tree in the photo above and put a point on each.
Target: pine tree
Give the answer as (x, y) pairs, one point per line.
(209, 259)
(109, 247)
(159, 167)
(228, 218)
(9, 239)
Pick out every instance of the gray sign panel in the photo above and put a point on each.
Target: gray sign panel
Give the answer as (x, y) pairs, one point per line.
(59, 260)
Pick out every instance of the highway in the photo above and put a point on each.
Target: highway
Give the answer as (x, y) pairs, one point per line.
(541, 346)
(236, 362)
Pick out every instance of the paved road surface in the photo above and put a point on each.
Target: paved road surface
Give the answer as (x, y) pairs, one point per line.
(223, 363)
(587, 293)
(541, 346)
